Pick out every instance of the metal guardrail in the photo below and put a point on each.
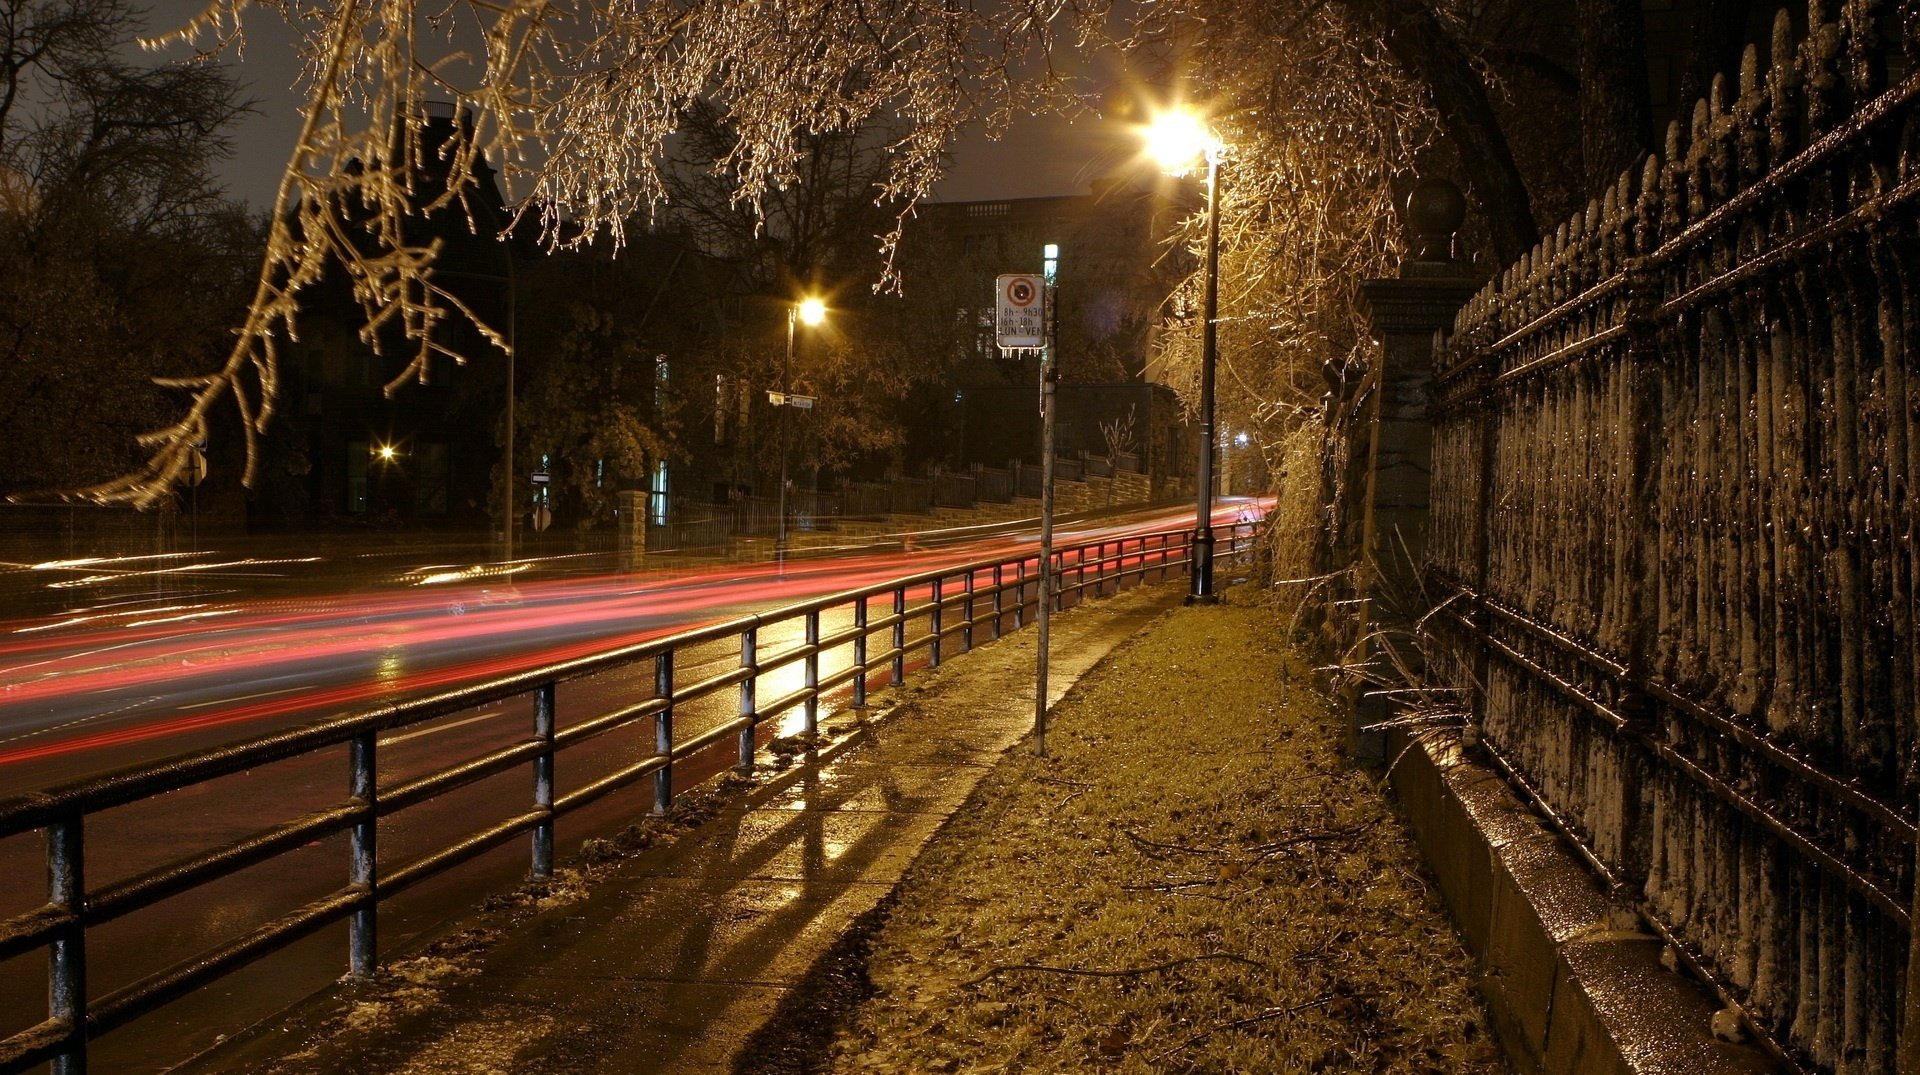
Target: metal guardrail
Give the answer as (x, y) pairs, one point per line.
(985, 594)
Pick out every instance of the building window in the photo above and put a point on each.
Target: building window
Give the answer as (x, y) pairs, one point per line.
(657, 498)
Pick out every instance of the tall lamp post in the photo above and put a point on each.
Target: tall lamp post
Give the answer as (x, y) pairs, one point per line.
(1178, 140)
(810, 312)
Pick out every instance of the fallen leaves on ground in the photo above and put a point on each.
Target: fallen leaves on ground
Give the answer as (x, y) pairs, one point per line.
(1195, 880)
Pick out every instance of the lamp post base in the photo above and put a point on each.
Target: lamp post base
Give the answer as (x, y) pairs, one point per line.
(1200, 582)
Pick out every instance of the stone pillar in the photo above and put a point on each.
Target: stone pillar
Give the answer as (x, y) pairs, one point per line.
(1406, 315)
(630, 506)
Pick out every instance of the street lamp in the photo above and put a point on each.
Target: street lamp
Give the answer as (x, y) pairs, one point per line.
(809, 312)
(1178, 140)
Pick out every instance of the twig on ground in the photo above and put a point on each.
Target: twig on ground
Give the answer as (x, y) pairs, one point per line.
(1153, 846)
(1313, 836)
(1125, 972)
(1170, 886)
(1063, 782)
(1235, 1024)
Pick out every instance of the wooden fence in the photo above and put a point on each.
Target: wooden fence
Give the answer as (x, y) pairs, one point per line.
(1674, 453)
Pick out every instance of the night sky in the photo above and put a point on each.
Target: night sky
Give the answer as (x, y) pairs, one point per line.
(1039, 157)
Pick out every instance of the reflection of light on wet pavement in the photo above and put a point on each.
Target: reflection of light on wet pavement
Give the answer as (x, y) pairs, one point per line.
(435, 729)
(404, 638)
(184, 616)
(437, 575)
(100, 577)
(75, 621)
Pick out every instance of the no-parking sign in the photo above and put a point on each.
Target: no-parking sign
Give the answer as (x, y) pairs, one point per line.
(1021, 319)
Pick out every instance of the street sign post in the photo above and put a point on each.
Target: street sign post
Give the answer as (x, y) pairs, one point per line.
(1021, 324)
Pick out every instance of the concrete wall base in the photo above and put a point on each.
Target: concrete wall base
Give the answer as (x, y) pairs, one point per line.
(1573, 982)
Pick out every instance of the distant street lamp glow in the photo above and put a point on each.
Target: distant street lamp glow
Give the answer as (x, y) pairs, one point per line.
(1180, 140)
(387, 453)
(811, 312)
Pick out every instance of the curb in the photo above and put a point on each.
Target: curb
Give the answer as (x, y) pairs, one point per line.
(1573, 983)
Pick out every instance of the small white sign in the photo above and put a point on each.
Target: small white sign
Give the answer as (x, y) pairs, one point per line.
(790, 399)
(1021, 310)
(539, 477)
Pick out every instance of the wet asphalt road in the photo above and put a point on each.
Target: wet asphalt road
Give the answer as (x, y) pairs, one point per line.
(121, 682)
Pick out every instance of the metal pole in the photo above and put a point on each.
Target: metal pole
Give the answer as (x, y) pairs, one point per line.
(860, 653)
(363, 929)
(1200, 583)
(513, 348)
(813, 679)
(899, 670)
(67, 955)
(750, 661)
(663, 733)
(543, 717)
(1047, 376)
(934, 626)
(780, 540)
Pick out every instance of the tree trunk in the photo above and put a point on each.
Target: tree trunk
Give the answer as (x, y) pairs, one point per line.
(1616, 114)
(1428, 52)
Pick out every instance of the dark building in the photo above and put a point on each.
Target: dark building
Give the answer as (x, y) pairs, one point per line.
(1112, 284)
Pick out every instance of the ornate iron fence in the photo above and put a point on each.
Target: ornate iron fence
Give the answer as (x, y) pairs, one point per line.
(1674, 456)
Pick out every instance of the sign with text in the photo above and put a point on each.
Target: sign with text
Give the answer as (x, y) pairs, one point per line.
(790, 399)
(1021, 314)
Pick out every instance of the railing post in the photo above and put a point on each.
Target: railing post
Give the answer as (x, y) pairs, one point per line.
(999, 582)
(749, 660)
(860, 653)
(899, 635)
(543, 709)
(663, 733)
(966, 630)
(1020, 596)
(813, 677)
(363, 929)
(933, 658)
(67, 955)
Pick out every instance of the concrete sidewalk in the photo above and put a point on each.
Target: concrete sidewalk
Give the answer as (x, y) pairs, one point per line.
(673, 958)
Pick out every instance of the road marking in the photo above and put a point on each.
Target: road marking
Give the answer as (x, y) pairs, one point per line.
(77, 721)
(242, 698)
(392, 739)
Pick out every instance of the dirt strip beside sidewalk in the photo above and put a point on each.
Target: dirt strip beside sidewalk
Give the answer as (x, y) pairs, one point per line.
(1195, 880)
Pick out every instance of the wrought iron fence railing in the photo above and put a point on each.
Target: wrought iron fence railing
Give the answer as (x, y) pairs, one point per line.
(848, 642)
(1673, 458)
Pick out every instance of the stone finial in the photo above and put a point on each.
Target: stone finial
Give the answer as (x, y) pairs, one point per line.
(1435, 209)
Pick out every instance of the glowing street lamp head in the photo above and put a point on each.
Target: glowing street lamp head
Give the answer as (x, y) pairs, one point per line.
(811, 311)
(386, 453)
(1180, 141)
